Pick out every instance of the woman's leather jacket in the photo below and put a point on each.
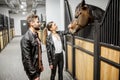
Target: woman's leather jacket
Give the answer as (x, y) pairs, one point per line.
(50, 45)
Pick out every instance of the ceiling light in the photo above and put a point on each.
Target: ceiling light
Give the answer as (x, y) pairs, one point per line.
(21, 6)
(24, 13)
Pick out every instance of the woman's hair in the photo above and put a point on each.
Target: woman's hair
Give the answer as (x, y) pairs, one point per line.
(45, 31)
(45, 34)
(31, 18)
(49, 25)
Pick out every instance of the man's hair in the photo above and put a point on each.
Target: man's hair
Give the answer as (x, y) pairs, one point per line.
(49, 25)
(31, 18)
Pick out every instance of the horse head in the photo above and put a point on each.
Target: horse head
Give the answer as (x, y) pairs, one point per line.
(84, 15)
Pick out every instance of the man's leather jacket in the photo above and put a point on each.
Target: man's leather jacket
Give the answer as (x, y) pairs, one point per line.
(29, 49)
(50, 45)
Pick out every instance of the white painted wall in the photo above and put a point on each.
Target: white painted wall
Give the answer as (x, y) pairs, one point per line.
(18, 17)
(53, 12)
(41, 10)
(62, 15)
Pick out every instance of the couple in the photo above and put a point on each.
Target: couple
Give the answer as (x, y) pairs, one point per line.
(32, 51)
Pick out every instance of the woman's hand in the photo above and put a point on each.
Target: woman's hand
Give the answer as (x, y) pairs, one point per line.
(37, 78)
(51, 66)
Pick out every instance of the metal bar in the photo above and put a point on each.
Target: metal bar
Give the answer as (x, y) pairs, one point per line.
(114, 36)
(110, 62)
(107, 27)
(110, 46)
(110, 21)
(112, 16)
(118, 9)
(66, 50)
(117, 23)
(73, 57)
(68, 9)
(88, 40)
(102, 32)
(84, 50)
(97, 53)
(114, 22)
(110, 8)
(118, 1)
(105, 31)
(66, 54)
(67, 21)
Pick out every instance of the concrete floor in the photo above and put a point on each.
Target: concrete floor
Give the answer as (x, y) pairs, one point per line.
(11, 67)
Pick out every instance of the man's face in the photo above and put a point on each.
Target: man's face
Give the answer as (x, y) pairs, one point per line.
(36, 24)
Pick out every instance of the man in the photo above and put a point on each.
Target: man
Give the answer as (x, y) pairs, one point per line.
(31, 49)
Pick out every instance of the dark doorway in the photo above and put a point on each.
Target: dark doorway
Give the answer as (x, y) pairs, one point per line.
(24, 27)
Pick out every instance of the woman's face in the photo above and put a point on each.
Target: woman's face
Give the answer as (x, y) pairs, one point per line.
(54, 27)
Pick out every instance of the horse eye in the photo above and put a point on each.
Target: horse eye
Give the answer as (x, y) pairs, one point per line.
(80, 12)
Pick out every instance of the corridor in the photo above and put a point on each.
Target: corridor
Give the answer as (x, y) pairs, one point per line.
(11, 67)
(92, 49)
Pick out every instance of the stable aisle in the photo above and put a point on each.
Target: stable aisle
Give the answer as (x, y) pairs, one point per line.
(11, 67)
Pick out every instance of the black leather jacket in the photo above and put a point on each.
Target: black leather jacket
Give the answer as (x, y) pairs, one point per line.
(50, 45)
(29, 49)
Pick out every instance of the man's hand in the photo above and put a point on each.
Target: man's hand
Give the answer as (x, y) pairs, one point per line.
(51, 66)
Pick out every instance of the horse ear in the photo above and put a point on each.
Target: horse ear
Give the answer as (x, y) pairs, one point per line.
(83, 3)
(85, 7)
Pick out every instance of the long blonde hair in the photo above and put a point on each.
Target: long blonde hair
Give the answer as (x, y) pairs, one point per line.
(45, 34)
(45, 31)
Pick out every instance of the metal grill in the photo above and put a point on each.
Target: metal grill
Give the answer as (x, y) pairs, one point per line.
(1, 22)
(110, 28)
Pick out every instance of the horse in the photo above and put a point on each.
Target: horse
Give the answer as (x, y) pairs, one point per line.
(85, 14)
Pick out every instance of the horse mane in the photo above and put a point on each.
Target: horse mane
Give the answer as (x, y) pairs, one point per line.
(96, 12)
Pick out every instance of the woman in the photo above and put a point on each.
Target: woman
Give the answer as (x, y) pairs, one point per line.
(55, 47)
